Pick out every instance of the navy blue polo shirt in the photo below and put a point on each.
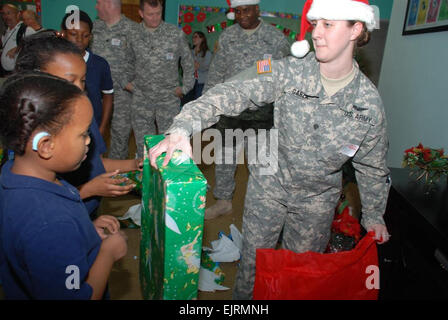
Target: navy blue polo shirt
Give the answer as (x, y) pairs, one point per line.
(46, 239)
(98, 81)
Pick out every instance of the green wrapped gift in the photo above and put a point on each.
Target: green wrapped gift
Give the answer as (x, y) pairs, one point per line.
(173, 204)
(135, 177)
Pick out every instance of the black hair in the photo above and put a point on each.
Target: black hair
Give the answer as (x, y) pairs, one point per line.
(83, 16)
(39, 49)
(32, 100)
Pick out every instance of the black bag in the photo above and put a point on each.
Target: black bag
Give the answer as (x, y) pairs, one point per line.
(21, 34)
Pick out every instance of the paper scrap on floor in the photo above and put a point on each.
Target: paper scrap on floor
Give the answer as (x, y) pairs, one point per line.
(134, 213)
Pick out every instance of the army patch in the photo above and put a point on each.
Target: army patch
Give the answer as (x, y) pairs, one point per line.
(264, 66)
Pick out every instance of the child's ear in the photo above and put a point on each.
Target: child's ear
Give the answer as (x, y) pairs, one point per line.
(45, 147)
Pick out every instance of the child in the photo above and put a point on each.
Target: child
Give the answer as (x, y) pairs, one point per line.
(99, 84)
(59, 57)
(49, 247)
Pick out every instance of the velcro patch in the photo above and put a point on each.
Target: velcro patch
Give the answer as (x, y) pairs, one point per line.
(264, 66)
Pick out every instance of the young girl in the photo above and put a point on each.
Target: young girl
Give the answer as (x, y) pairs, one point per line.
(202, 57)
(325, 113)
(60, 57)
(49, 247)
(99, 84)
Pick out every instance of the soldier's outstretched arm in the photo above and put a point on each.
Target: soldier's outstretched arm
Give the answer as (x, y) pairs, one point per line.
(228, 98)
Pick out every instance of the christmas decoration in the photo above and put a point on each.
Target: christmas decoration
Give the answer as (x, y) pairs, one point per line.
(188, 17)
(201, 17)
(426, 162)
(187, 29)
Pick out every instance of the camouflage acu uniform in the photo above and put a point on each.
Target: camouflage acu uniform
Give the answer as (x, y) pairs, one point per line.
(317, 135)
(237, 52)
(157, 76)
(113, 44)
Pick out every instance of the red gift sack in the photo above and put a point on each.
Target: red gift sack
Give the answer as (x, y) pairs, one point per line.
(348, 275)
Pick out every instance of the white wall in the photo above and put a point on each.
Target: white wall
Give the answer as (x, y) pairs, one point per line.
(414, 87)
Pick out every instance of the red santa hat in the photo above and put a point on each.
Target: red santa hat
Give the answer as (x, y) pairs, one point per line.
(236, 3)
(357, 10)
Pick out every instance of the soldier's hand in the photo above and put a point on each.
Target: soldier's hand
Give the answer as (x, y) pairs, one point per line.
(381, 233)
(170, 144)
(129, 87)
(178, 92)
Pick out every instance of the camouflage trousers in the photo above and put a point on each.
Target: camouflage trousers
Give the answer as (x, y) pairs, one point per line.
(305, 227)
(225, 173)
(153, 116)
(120, 128)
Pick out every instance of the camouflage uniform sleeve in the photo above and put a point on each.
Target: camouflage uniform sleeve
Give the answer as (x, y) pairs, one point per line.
(216, 71)
(229, 98)
(187, 63)
(130, 58)
(372, 174)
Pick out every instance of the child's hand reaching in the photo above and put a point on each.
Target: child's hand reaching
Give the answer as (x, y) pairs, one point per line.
(105, 222)
(105, 186)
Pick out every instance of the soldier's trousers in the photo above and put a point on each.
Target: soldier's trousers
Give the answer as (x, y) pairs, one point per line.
(120, 128)
(225, 172)
(153, 116)
(305, 227)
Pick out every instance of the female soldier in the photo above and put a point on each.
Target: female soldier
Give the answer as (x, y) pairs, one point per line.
(326, 112)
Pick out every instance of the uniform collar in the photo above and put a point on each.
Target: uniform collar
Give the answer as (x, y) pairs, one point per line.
(9, 181)
(146, 29)
(260, 26)
(316, 88)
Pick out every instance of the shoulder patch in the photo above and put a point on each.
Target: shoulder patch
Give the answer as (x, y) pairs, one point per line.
(264, 66)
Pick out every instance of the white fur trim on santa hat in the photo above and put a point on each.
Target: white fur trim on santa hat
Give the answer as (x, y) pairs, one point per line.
(342, 10)
(237, 3)
(300, 48)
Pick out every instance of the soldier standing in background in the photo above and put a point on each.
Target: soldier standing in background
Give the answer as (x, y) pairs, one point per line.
(158, 46)
(239, 47)
(111, 34)
(326, 112)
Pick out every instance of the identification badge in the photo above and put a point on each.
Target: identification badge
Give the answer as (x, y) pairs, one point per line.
(264, 66)
(349, 150)
(169, 56)
(116, 42)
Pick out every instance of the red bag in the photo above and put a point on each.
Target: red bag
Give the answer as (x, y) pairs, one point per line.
(285, 275)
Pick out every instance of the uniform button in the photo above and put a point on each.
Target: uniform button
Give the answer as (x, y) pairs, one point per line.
(316, 126)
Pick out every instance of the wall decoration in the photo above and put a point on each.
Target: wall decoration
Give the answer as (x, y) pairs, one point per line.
(424, 16)
(212, 21)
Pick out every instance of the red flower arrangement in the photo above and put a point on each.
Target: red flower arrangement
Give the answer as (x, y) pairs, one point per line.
(201, 17)
(188, 17)
(429, 163)
(187, 29)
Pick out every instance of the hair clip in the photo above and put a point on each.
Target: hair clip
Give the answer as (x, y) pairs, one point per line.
(37, 138)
